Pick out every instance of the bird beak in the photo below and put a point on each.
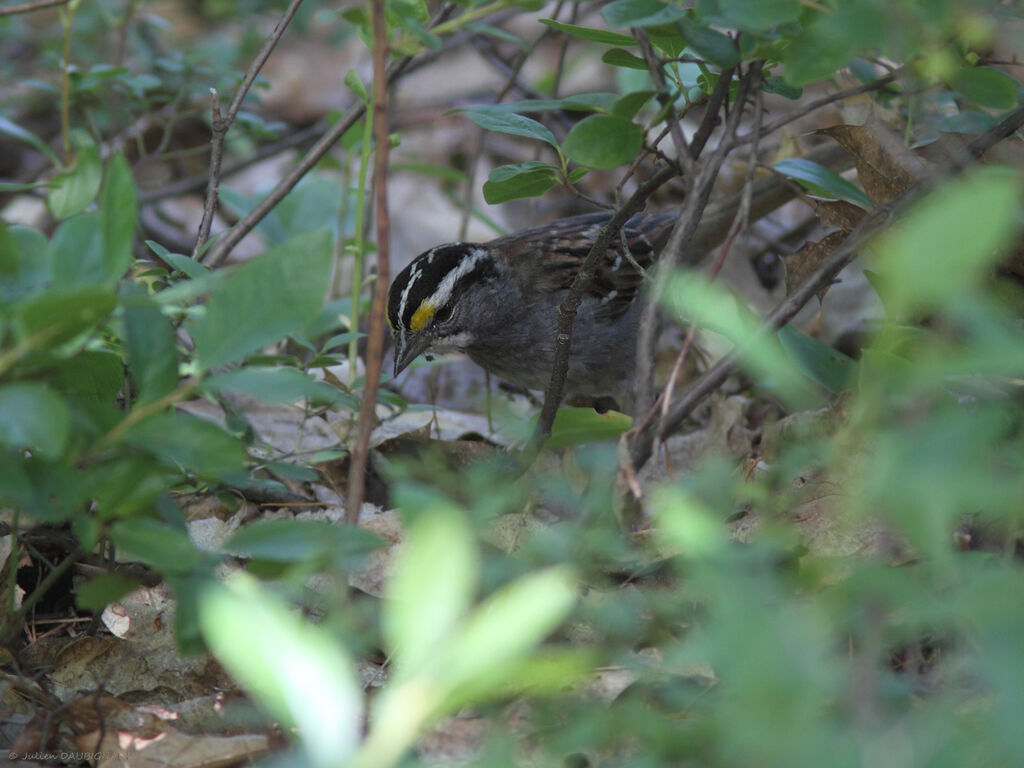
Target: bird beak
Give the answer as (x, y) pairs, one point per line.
(409, 348)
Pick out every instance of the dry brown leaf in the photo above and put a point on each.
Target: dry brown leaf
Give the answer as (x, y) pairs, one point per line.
(885, 166)
(837, 213)
(802, 263)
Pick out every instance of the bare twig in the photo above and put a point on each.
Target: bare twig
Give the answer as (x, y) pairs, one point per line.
(222, 123)
(38, 5)
(375, 343)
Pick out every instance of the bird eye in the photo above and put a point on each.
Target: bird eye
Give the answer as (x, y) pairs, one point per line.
(444, 314)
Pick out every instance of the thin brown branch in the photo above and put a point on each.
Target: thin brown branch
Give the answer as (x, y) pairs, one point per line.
(874, 85)
(654, 67)
(38, 5)
(222, 123)
(375, 343)
(740, 222)
(680, 241)
(219, 130)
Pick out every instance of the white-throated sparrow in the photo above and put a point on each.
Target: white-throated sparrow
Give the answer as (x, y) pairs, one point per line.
(497, 302)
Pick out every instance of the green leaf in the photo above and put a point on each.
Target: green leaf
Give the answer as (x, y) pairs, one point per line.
(778, 85)
(342, 339)
(576, 174)
(25, 269)
(184, 264)
(685, 525)
(156, 543)
(831, 39)
(948, 241)
(91, 375)
(512, 123)
(10, 253)
(15, 131)
(430, 588)
(118, 213)
(498, 33)
(589, 33)
(355, 83)
(35, 418)
(668, 41)
(575, 426)
(512, 182)
(298, 671)
(185, 291)
(150, 344)
(986, 87)
(821, 181)
(617, 57)
(759, 15)
(717, 48)
(598, 101)
(59, 316)
(819, 362)
(99, 592)
(311, 206)
(188, 442)
(73, 189)
(125, 485)
(631, 103)
(640, 13)
(296, 541)
(266, 298)
(603, 141)
(507, 625)
(76, 253)
(695, 299)
(278, 385)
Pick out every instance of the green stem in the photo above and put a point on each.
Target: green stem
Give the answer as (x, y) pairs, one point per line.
(67, 13)
(357, 262)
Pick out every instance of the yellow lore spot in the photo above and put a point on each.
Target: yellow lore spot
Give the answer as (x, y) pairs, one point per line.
(421, 317)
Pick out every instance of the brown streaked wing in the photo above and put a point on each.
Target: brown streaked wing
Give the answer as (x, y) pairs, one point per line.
(565, 244)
